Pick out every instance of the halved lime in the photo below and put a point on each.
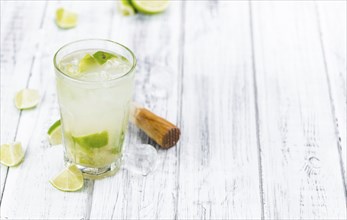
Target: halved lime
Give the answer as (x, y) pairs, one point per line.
(55, 133)
(26, 98)
(150, 6)
(68, 180)
(11, 154)
(96, 140)
(87, 63)
(126, 8)
(101, 57)
(65, 19)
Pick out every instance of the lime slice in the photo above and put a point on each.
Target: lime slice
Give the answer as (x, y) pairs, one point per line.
(11, 154)
(96, 140)
(68, 180)
(26, 98)
(65, 19)
(150, 6)
(55, 134)
(101, 57)
(126, 8)
(87, 63)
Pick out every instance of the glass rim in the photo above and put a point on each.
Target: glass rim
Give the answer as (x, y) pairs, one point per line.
(93, 82)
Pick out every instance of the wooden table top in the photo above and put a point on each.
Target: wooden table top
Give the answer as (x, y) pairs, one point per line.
(258, 89)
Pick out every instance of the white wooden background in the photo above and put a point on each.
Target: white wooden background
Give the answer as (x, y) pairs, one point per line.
(258, 89)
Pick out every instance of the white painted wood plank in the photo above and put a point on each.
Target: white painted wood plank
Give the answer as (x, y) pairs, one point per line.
(28, 192)
(218, 176)
(300, 160)
(18, 45)
(332, 20)
(155, 42)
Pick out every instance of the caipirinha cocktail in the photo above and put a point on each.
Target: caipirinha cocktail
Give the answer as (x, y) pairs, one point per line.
(95, 89)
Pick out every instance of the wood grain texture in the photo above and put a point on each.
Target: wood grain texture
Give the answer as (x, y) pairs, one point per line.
(28, 192)
(300, 160)
(332, 21)
(218, 175)
(258, 90)
(18, 46)
(155, 41)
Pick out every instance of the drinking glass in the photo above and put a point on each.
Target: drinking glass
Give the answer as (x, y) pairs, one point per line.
(94, 113)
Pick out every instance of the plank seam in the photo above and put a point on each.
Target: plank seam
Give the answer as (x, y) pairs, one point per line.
(111, 24)
(332, 106)
(90, 200)
(90, 195)
(255, 91)
(44, 14)
(180, 100)
(26, 86)
(17, 127)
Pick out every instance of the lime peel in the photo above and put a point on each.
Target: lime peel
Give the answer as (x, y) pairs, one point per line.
(86, 63)
(11, 154)
(65, 19)
(101, 57)
(55, 133)
(89, 62)
(26, 99)
(126, 8)
(68, 180)
(96, 140)
(150, 6)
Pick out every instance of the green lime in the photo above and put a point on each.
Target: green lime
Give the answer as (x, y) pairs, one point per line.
(11, 154)
(87, 63)
(55, 133)
(68, 180)
(126, 8)
(101, 57)
(26, 98)
(65, 19)
(116, 150)
(150, 6)
(96, 140)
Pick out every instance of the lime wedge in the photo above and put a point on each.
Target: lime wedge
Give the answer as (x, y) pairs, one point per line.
(101, 57)
(65, 19)
(150, 6)
(87, 63)
(126, 8)
(26, 98)
(68, 180)
(11, 154)
(55, 133)
(96, 140)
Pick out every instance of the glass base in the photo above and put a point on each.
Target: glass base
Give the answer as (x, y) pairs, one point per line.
(97, 173)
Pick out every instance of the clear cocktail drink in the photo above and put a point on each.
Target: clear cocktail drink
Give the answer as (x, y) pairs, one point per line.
(94, 85)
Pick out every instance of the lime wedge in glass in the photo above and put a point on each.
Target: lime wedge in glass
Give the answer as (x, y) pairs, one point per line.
(101, 57)
(55, 133)
(26, 98)
(65, 19)
(150, 6)
(68, 180)
(11, 154)
(126, 8)
(96, 140)
(87, 63)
